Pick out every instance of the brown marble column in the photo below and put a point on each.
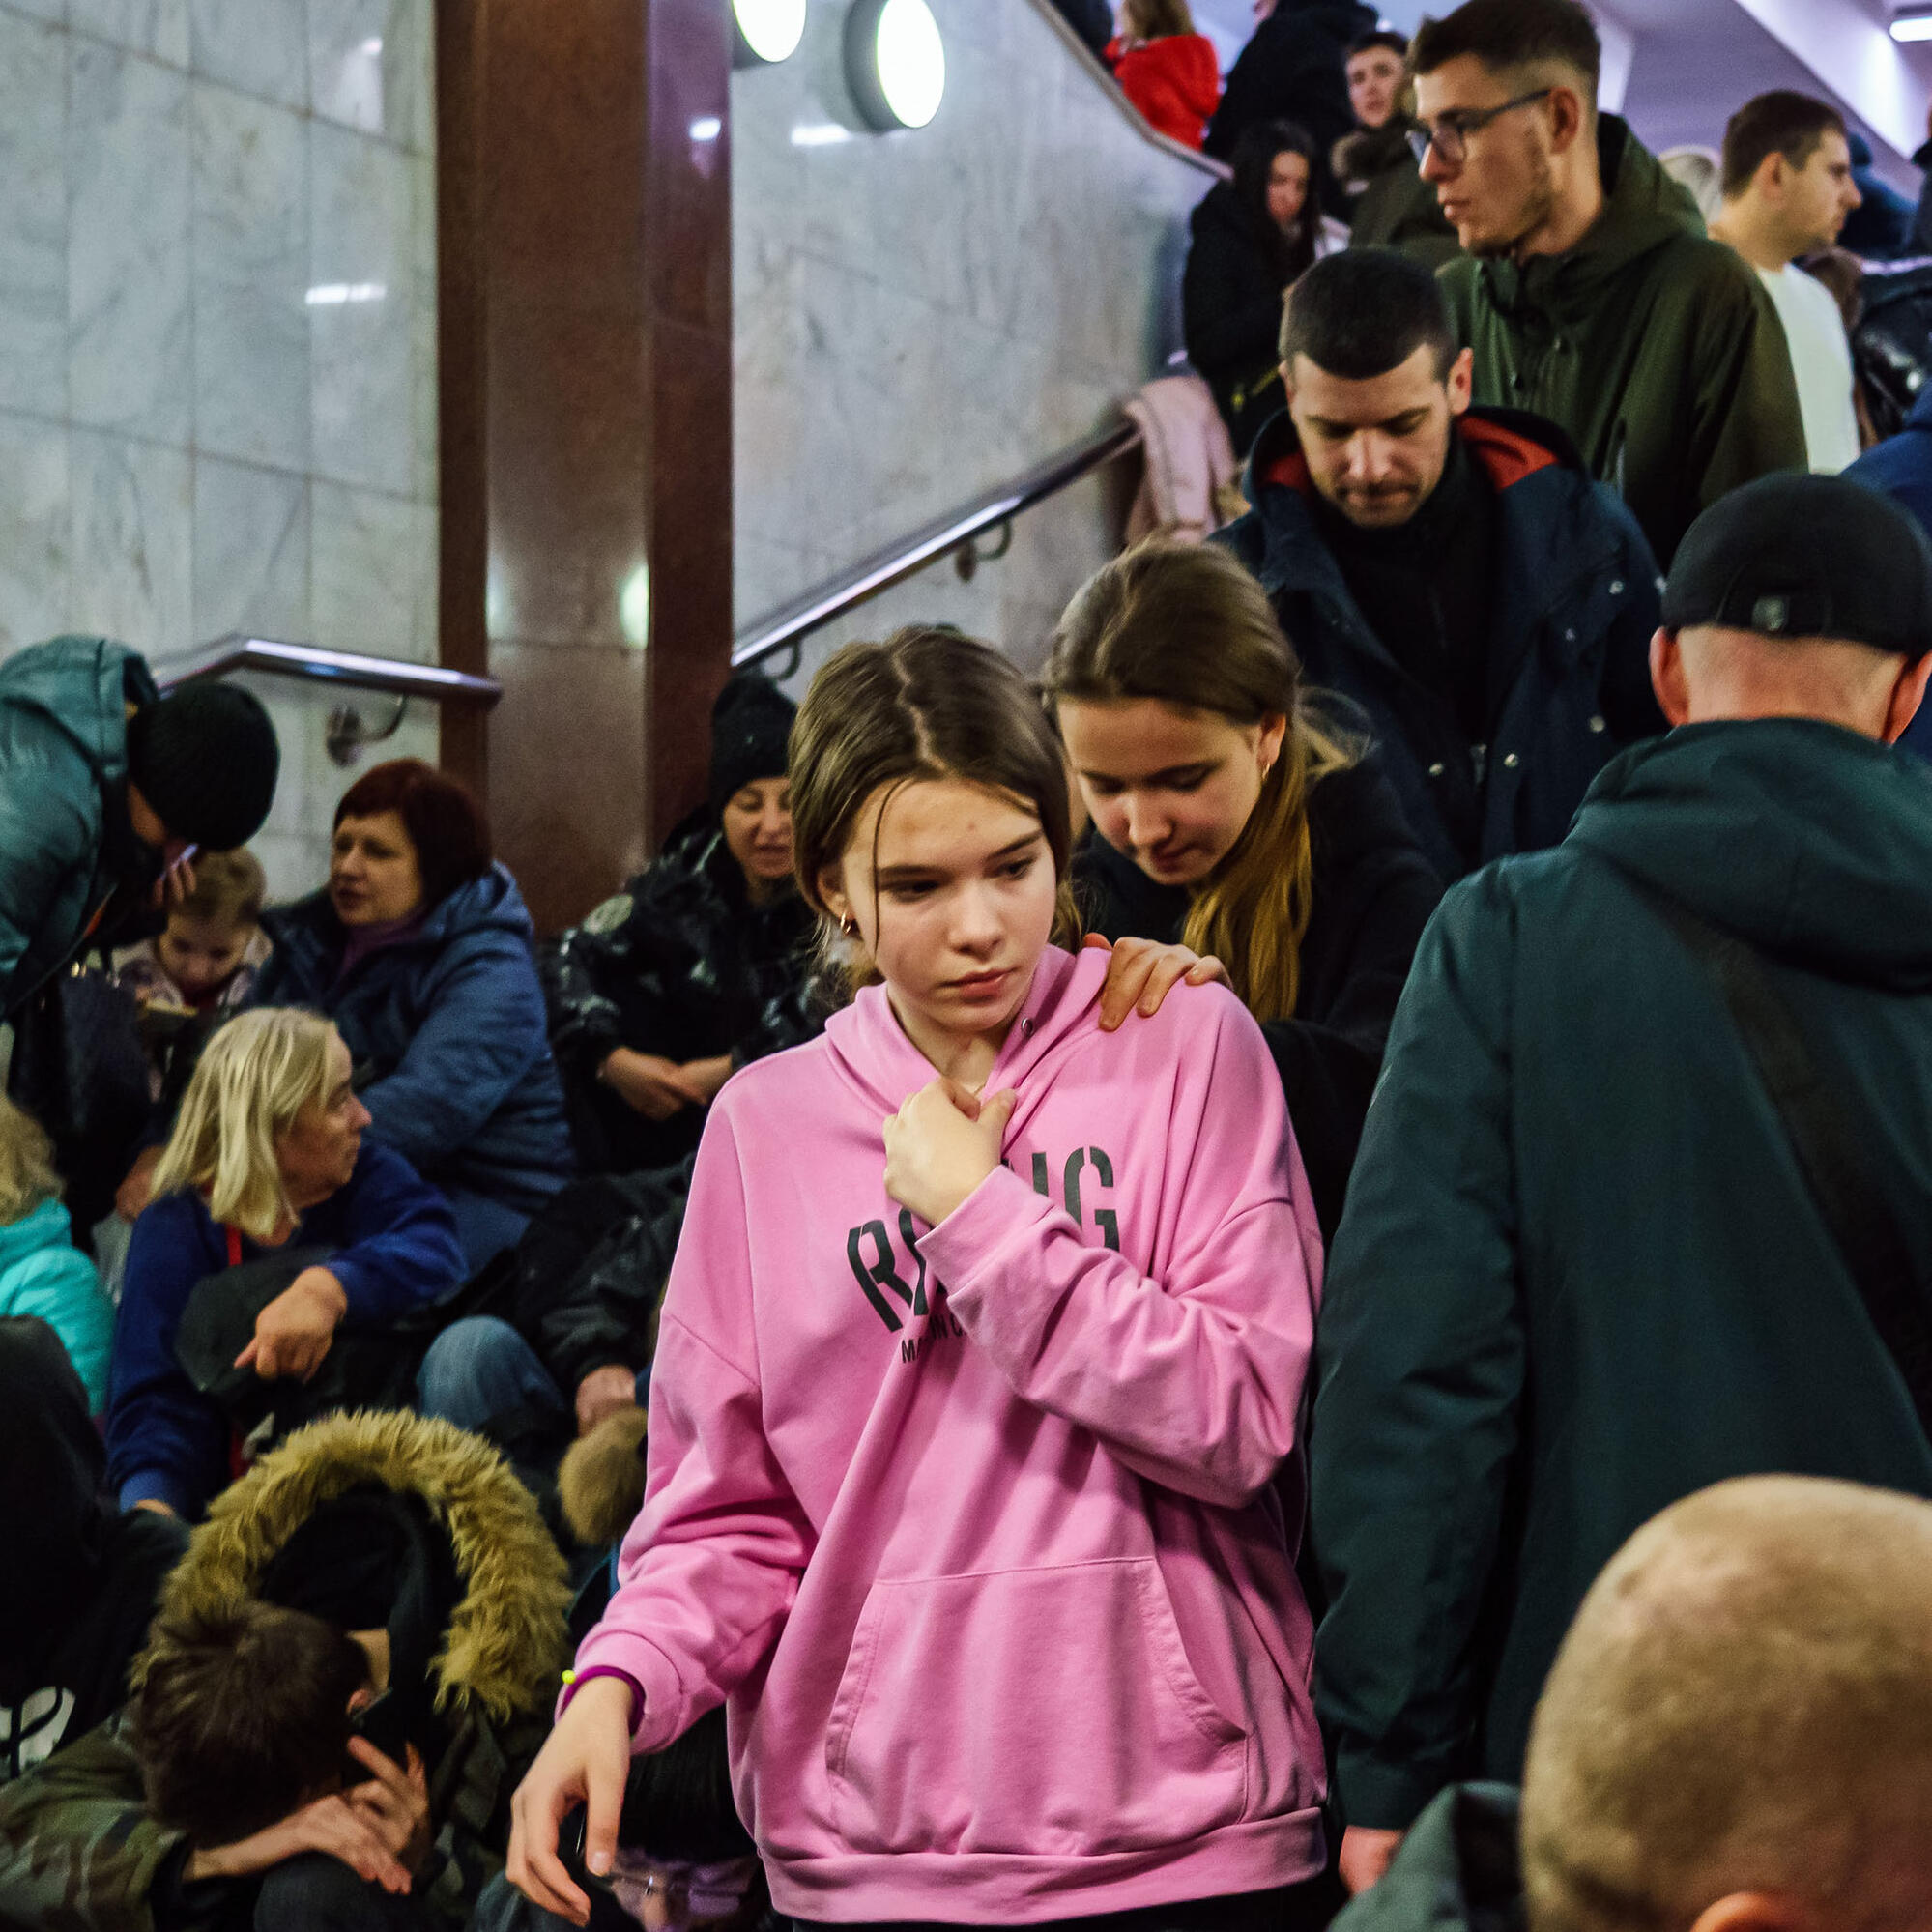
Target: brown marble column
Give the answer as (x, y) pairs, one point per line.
(585, 332)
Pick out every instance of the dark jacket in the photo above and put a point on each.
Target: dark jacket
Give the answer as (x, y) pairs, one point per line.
(583, 1284)
(1901, 466)
(1294, 68)
(1389, 205)
(1575, 595)
(680, 964)
(76, 1846)
(1657, 351)
(395, 1249)
(1580, 1275)
(1231, 295)
(66, 845)
(1091, 19)
(446, 1032)
(1373, 895)
(81, 1577)
(1458, 1870)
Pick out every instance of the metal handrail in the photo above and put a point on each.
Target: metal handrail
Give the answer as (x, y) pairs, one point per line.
(791, 623)
(310, 663)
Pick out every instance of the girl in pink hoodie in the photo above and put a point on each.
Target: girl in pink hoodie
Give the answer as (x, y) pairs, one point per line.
(981, 1350)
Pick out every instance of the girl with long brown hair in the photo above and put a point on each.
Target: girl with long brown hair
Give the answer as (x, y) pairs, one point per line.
(984, 1342)
(1232, 816)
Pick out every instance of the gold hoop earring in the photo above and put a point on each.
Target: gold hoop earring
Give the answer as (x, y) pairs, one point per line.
(849, 925)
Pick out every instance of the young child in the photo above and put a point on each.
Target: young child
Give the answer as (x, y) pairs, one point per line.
(41, 1273)
(205, 959)
(983, 1346)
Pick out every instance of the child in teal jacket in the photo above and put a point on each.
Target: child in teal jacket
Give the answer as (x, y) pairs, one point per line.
(40, 1270)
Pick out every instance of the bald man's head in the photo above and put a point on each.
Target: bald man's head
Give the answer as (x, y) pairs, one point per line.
(1737, 1734)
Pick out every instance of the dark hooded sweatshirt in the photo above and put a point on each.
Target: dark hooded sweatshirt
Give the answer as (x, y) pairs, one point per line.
(1389, 204)
(1580, 1275)
(1294, 68)
(1656, 350)
(81, 1578)
(1373, 893)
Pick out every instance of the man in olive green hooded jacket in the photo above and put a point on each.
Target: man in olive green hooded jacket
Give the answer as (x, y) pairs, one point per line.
(1581, 1272)
(1591, 294)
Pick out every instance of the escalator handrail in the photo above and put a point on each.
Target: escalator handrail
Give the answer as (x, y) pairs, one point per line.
(791, 623)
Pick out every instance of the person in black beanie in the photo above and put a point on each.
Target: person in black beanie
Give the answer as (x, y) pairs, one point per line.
(698, 966)
(105, 784)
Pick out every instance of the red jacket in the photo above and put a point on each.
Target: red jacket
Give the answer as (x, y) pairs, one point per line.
(1175, 82)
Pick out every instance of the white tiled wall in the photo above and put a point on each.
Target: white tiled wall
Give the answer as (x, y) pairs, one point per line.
(920, 316)
(218, 384)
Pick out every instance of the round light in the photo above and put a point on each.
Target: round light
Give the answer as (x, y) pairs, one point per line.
(767, 30)
(895, 62)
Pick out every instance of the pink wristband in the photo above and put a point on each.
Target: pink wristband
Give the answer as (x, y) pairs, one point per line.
(583, 1677)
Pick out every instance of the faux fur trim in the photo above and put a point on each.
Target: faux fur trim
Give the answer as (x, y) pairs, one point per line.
(507, 1639)
(601, 1483)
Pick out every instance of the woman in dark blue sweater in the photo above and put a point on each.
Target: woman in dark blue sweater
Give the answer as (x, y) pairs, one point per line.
(267, 1153)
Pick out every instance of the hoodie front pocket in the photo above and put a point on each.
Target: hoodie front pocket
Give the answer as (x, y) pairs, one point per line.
(1031, 1711)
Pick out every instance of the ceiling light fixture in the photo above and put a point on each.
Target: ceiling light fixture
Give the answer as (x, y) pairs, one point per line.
(895, 62)
(1912, 24)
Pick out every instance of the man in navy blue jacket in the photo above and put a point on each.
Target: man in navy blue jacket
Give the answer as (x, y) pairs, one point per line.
(1454, 572)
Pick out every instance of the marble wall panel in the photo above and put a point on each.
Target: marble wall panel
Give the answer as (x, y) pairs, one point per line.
(372, 571)
(157, 28)
(251, 287)
(255, 46)
(36, 554)
(130, 309)
(32, 235)
(920, 316)
(132, 542)
(361, 266)
(189, 445)
(250, 551)
(370, 68)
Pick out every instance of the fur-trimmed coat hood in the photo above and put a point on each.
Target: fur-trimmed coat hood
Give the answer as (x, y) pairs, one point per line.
(506, 1642)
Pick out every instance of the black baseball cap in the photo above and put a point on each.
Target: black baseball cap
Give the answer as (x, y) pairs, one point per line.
(1802, 555)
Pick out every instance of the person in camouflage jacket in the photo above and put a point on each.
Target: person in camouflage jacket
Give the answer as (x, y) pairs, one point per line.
(78, 1851)
(699, 965)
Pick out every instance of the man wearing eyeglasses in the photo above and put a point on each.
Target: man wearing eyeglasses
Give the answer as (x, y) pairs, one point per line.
(1592, 295)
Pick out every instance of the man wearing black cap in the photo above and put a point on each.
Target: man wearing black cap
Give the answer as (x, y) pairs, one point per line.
(104, 782)
(1585, 1269)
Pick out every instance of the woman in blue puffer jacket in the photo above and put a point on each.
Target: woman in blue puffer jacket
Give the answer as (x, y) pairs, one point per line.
(419, 949)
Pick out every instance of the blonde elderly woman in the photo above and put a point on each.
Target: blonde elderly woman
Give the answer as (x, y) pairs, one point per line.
(267, 1152)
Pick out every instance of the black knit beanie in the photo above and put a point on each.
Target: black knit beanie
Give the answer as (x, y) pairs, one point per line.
(750, 724)
(204, 758)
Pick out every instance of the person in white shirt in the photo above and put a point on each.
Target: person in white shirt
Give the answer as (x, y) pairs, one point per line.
(1788, 187)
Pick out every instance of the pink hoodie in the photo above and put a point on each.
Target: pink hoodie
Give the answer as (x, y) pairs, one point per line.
(976, 1529)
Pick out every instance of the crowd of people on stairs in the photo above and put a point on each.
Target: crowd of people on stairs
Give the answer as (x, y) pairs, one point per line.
(1272, 1278)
